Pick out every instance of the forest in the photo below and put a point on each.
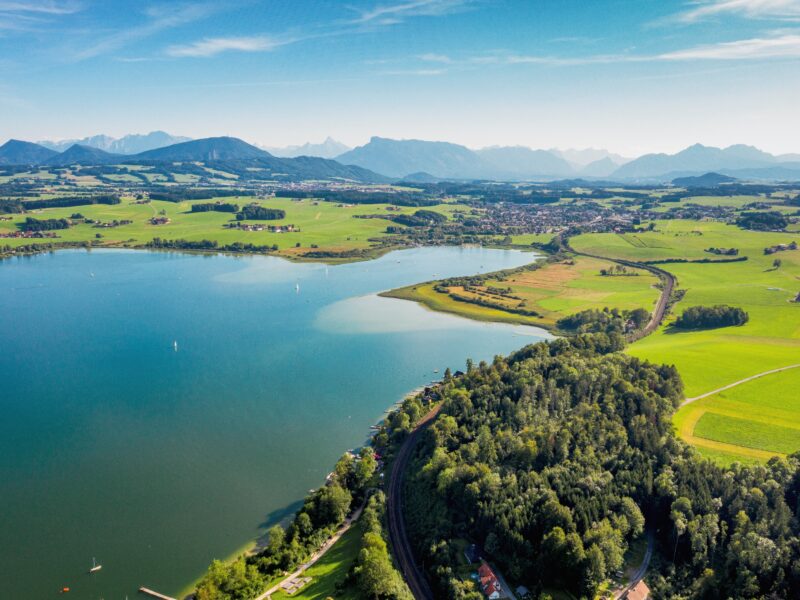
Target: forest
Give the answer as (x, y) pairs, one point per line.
(554, 459)
(260, 213)
(33, 224)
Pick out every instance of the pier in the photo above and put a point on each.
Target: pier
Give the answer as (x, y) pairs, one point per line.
(149, 592)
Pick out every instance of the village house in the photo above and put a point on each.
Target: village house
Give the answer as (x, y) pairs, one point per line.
(488, 581)
(640, 591)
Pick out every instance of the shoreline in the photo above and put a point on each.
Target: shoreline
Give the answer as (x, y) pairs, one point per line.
(250, 547)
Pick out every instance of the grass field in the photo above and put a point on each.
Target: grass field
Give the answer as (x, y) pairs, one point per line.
(711, 359)
(553, 291)
(331, 569)
(750, 422)
(324, 224)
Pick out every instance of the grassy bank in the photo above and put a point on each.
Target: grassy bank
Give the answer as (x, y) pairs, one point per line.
(555, 290)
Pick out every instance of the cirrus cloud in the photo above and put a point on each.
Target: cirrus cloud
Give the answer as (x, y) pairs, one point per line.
(212, 46)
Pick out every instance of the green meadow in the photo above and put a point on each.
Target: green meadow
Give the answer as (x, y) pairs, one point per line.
(324, 224)
(750, 422)
(330, 570)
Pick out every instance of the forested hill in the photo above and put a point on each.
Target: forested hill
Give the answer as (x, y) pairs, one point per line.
(555, 459)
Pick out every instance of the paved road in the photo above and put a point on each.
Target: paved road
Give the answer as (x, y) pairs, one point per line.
(348, 522)
(642, 570)
(398, 537)
(667, 278)
(735, 383)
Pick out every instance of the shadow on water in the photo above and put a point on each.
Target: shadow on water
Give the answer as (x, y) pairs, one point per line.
(279, 516)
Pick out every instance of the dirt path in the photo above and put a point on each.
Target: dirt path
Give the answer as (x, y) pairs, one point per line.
(735, 383)
(317, 555)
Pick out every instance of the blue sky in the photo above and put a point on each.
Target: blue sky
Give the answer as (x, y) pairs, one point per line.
(631, 76)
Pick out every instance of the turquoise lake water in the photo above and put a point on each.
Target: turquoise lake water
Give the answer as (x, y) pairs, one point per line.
(115, 445)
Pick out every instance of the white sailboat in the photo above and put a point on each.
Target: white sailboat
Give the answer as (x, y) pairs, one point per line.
(175, 345)
(297, 288)
(95, 567)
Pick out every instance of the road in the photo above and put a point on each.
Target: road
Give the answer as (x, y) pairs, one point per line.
(348, 522)
(735, 383)
(667, 279)
(398, 537)
(640, 572)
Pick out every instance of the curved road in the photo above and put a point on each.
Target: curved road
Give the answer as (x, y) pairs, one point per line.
(642, 570)
(667, 278)
(403, 552)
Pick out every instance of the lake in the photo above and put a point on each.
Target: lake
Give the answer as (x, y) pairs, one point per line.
(161, 410)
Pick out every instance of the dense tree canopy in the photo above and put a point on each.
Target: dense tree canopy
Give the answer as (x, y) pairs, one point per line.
(554, 459)
(708, 317)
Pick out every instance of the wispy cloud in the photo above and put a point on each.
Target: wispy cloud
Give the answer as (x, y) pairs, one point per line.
(213, 46)
(416, 72)
(391, 14)
(29, 16)
(753, 9)
(436, 58)
(783, 46)
(51, 7)
(159, 18)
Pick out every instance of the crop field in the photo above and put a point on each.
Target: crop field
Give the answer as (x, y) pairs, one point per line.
(324, 224)
(553, 291)
(710, 359)
(750, 422)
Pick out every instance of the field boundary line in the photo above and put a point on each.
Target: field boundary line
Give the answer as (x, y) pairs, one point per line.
(735, 383)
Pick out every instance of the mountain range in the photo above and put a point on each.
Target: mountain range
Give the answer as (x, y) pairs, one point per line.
(129, 144)
(330, 148)
(443, 160)
(228, 152)
(383, 159)
(740, 161)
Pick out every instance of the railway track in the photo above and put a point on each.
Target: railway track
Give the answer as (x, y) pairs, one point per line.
(403, 552)
(668, 285)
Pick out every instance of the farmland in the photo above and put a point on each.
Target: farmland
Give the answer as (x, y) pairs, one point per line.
(710, 359)
(326, 225)
(706, 359)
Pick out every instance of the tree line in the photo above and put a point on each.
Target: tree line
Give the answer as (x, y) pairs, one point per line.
(709, 317)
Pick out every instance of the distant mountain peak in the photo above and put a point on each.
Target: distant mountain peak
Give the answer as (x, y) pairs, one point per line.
(129, 144)
(330, 148)
(19, 152)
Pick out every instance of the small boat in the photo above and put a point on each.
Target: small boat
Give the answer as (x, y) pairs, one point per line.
(175, 345)
(95, 567)
(297, 287)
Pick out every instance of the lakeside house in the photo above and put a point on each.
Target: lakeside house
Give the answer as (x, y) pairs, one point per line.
(159, 220)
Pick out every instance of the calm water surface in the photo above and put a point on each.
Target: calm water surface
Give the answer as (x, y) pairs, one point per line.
(114, 445)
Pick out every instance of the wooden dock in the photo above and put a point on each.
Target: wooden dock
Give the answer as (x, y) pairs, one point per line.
(149, 592)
